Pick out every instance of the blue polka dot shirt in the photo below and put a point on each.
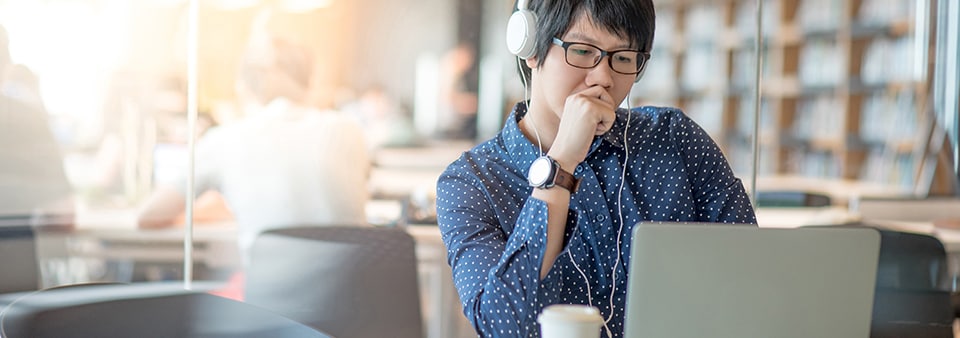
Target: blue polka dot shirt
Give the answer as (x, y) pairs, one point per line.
(495, 232)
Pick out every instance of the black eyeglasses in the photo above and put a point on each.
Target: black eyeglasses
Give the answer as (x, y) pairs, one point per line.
(586, 56)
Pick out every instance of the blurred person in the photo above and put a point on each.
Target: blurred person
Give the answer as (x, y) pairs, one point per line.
(34, 190)
(283, 164)
(33, 182)
(139, 114)
(21, 83)
(458, 92)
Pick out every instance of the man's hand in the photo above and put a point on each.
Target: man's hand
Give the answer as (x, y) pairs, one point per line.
(586, 114)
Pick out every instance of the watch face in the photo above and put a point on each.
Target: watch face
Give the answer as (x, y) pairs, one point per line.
(540, 171)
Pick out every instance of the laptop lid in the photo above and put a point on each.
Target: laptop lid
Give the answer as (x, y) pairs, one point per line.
(19, 270)
(699, 280)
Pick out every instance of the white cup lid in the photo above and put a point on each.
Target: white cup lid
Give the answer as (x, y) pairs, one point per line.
(570, 313)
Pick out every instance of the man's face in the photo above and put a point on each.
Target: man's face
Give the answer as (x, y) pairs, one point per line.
(555, 79)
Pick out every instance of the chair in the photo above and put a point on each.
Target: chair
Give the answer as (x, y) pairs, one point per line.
(348, 281)
(912, 298)
(139, 310)
(19, 269)
(792, 198)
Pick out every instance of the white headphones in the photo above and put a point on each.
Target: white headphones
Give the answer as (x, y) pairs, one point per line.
(522, 31)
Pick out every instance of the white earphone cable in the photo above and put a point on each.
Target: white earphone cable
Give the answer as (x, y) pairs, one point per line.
(623, 180)
(526, 99)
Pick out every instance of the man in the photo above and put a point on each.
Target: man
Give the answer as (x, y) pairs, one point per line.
(283, 165)
(542, 213)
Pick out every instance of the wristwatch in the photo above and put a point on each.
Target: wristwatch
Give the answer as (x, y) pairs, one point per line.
(545, 173)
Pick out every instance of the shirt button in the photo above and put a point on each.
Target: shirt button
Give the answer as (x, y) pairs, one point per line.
(601, 218)
(579, 169)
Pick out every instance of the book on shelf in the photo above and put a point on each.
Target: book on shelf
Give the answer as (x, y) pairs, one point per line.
(838, 80)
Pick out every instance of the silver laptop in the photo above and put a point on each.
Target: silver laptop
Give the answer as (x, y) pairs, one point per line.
(721, 281)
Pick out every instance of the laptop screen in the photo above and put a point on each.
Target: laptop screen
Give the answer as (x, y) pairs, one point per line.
(698, 280)
(18, 257)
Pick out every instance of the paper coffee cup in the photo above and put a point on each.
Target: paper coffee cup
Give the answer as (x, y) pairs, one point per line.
(570, 321)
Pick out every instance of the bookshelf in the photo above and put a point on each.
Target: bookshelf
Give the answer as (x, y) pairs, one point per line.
(844, 82)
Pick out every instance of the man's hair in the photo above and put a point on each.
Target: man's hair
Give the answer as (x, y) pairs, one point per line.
(291, 65)
(633, 20)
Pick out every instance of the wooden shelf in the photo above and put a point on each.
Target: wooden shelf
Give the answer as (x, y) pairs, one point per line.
(833, 82)
(857, 87)
(834, 144)
(893, 29)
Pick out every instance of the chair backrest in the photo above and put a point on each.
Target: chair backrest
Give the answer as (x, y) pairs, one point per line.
(792, 198)
(912, 298)
(139, 310)
(19, 269)
(347, 281)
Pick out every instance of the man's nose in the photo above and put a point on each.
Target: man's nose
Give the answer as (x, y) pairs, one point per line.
(602, 74)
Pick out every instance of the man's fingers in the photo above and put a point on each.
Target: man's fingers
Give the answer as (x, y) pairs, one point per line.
(606, 123)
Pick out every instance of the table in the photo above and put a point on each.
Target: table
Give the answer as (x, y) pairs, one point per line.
(771, 217)
(835, 215)
(841, 191)
(399, 172)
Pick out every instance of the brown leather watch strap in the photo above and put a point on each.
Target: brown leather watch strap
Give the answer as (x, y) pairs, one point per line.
(566, 180)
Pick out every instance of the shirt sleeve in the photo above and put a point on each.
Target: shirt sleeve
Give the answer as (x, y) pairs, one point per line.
(496, 275)
(210, 149)
(719, 195)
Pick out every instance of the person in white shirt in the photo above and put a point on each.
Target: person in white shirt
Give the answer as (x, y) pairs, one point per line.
(33, 181)
(282, 165)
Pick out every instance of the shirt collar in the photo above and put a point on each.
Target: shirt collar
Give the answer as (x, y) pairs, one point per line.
(520, 150)
(523, 151)
(615, 135)
(283, 108)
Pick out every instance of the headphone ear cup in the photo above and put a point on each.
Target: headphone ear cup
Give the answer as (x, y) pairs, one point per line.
(521, 33)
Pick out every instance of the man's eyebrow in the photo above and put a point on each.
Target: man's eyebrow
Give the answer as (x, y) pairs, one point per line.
(584, 38)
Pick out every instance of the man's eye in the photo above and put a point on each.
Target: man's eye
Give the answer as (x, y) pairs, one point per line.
(580, 51)
(623, 59)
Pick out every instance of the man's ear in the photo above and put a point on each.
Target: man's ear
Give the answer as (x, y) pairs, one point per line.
(532, 62)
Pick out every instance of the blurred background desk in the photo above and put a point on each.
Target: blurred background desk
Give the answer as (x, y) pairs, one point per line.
(785, 217)
(840, 191)
(399, 172)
